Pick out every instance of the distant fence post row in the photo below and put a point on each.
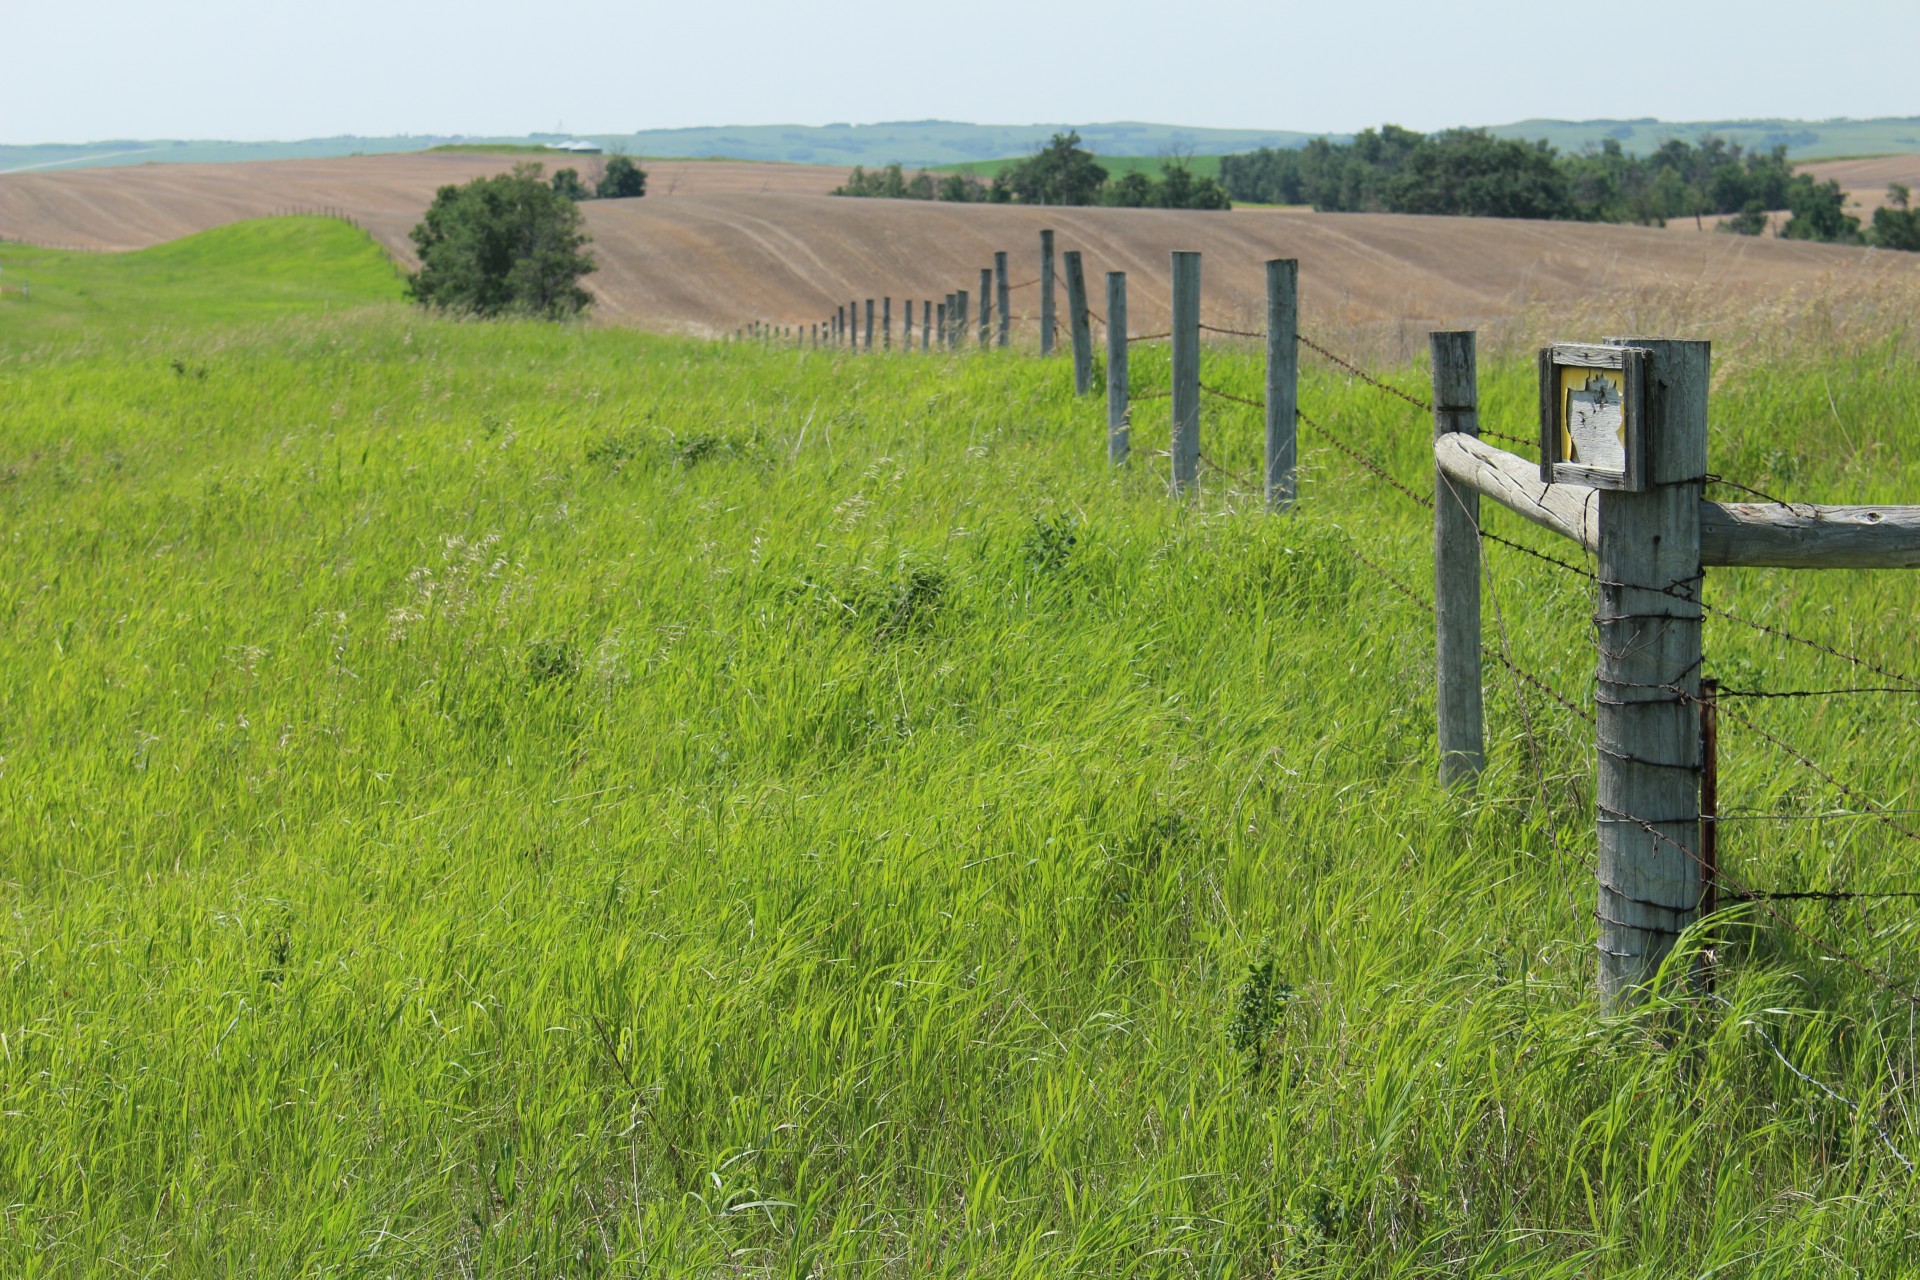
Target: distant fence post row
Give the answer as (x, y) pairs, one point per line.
(946, 325)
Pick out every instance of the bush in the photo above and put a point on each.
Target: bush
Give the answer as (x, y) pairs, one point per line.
(509, 244)
(623, 180)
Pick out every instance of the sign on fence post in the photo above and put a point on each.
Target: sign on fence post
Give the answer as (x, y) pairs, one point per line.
(1000, 293)
(1460, 717)
(1078, 325)
(1046, 293)
(1283, 380)
(1117, 433)
(1648, 625)
(1186, 371)
(986, 305)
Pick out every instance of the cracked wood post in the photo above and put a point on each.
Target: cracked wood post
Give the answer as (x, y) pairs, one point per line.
(986, 306)
(1118, 440)
(1186, 371)
(1000, 294)
(1460, 716)
(1283, 381)
(1046, 293)
(1079, 325)
(1648, 624)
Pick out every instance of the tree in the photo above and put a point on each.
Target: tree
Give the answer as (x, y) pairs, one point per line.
(623, 180)
(567, 183)
(1819, 212)
(508, 244)
(1895, 224)
(1062, 172)
(1750, 221)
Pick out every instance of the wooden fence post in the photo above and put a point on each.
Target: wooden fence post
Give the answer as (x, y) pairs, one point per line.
(886, 323)
(1456, 569)
(1186, 371)
(839, 323)
(853, 325)
(944, 308)
(1648, 623)
(906, 329)
(1000, 293)
(1046, 293)
(926, 323)
(1117, 434)
(1283, 382)
(1079, 325)
(868, 344)
(959, 317)
(986, 305)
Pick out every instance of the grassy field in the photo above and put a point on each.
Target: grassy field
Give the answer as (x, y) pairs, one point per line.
(511, 800)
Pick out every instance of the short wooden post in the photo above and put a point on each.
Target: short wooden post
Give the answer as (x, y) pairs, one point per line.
(959, 317)
(1648, 624)
(868, 344)
(942, 326)
(839, 323)
(1079, 325)
(853, 326)
(926, 323)
(886, 324)
(986, 304)
(1046, 293)
(1456, 568)
(1186, 371)
(1283, 382)
(1117, 434)
(1000, 301)
(906, 329)
(813, 333)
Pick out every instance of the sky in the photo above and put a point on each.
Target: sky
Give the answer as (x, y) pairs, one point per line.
(287, 69)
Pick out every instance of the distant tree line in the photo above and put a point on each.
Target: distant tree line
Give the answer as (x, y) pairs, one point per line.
(1469, 172)
(1061, 173)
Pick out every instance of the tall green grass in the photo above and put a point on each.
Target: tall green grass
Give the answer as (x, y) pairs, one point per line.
(519, 800)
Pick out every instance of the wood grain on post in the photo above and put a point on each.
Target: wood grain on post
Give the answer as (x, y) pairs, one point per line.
(1000, 300)
(1117, 433)
(1648, 624)
(1456, 569)
(1186, 371)
(1079, 325)
(1046, 293)
(959, 317)
(1283, 381)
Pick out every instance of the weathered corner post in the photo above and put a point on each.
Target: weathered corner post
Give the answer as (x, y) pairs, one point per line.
(1078, 324)
(1046, 293)
(1456, 569)
(1000, 302)
(1186, 371)
(1118, 440)
(1648, 624)
(1283, 381)
(986, 306)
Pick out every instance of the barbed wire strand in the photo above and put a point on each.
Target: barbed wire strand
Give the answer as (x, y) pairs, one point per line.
(1364, 460)
(1364, 376)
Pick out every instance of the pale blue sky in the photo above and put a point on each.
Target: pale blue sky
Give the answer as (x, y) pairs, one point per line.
(260, 69)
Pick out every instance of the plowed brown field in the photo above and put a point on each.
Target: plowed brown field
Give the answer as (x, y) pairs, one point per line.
(720, 244)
